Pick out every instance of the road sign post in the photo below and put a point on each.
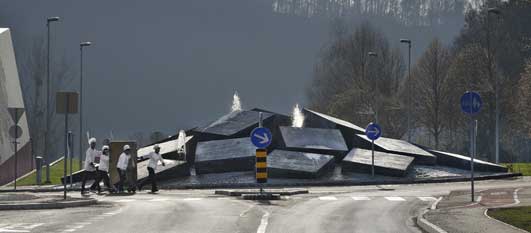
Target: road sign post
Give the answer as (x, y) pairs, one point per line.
(373, 132)
(15, 132)
(261, 138)
(471, 104)
(67, 103)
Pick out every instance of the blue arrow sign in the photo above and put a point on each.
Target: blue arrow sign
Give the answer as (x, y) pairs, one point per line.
(373, 131)
(471, 102)
(261, 137)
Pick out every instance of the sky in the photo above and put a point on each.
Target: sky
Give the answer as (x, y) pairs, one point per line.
(170, 65)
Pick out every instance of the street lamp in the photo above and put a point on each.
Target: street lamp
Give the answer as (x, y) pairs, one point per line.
(375, 87)
(495, 11)
(408, 82)
(81, 45)
(49, 20)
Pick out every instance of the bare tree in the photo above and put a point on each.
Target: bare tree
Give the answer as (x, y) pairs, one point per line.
(430, 83)
(350, 84)
(33, 80)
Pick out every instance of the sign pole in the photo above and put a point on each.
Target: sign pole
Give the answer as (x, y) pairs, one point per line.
(16, 148)
(66, 147)
(474, 136)
(372, 167)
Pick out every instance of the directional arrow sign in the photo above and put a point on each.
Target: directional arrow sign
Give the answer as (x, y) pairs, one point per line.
(373, 131)
(16, 113)
(261, 137)
(471, 102)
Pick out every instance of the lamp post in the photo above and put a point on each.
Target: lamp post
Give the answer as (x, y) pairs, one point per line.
(408, 42)
(375, 87)
(49, 20)
(495, 11)
(81, 45)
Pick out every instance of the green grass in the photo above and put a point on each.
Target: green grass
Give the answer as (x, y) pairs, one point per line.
(518, 216)
(56, 172)
(524, 168)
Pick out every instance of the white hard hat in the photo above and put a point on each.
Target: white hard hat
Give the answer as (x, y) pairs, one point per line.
(127, 147)
(156, 146)
(105, 147)
(92, 140)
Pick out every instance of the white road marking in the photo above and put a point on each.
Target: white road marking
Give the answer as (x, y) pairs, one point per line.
(193, 199)
(395, 199)
(328, 198)
(515, 196)
(159, 199)
(223, 198)
(84, 223)
(69, 230)
(124, 200)
(498, 193)
(427, 198)
(19, 227)
(479, 199)
(78, 227)
(361, 198)
(434, 205)
(263, 223)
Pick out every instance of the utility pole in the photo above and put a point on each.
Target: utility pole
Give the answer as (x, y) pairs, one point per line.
(47, 132)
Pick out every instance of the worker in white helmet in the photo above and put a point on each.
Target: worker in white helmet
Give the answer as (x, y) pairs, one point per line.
(103, 170)
(90, 166)
(154, 158)
(122, 166)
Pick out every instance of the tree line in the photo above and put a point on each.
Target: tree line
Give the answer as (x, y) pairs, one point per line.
(493, 50)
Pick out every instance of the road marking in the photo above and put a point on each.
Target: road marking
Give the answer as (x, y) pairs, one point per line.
(223, 198)
(78, 227)
(124, 200)
(328, 198)
(395, 199)
(263, 223)
(69, 230)
(498, 193)
(479, 199)
(434, 205)
(515, 196)
(159, 199)
(19, 227)
(361, 198)
(427, 198)
(193, 199)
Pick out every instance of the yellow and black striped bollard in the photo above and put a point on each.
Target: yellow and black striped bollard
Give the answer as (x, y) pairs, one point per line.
(261, 165)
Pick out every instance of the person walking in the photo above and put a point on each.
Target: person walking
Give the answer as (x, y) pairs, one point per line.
(103, 170)
(122, 165)
(154, 158)
(90, 167)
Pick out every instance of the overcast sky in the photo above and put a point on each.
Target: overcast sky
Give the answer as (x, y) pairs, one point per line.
(167, 65)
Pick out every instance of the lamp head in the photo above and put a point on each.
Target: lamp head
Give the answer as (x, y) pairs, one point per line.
(53, 19)
(86, 43)
(407, 41)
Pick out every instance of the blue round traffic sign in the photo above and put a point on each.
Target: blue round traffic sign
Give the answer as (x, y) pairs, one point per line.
(261, 137)
(373, 131)
(471, 102)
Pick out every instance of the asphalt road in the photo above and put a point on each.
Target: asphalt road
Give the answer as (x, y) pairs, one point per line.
(325, 209)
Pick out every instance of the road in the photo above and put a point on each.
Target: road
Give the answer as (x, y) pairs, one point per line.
(324, 209)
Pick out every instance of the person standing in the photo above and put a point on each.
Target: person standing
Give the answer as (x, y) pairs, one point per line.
(154, 158)
(103, 170)
(122, 165)
(90, 167)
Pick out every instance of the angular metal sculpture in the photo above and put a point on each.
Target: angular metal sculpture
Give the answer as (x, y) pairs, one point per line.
(225, 156)
(463, 162)
(292, 164)
(397, 146)
(11, 96)
(234, 124)
(387, 164)
(315, 119)
(314, 140)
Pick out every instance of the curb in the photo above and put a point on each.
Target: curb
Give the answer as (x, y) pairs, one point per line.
(426, 225)
(309, 184)
(54, 205)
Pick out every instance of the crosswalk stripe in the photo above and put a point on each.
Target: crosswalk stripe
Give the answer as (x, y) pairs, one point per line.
(427, 198)
(159, 199)
(361, 198)
(395, 198)
(328, 198)
(124, 200)
(193, 199)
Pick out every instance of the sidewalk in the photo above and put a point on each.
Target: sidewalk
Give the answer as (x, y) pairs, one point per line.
(456, 213)
(25, 200)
